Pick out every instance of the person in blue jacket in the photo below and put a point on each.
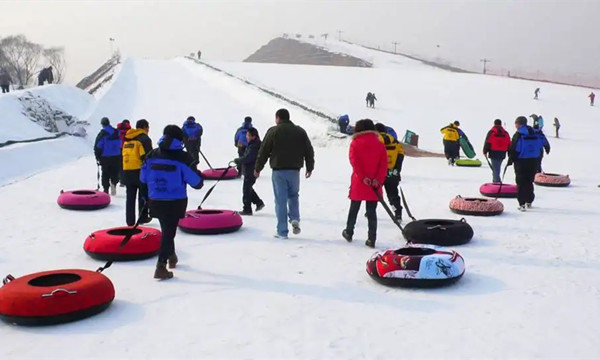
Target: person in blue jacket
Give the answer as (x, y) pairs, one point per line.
(524, 152)
(240, 141)
(107, 149)
(545, 145)
(343, 122)
(248, 161)
(166, 172)
(192, 137)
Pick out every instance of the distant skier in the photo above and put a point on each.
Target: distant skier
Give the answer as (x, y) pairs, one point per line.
(107, 149)
(556, 126)
(592, 96)
(343, 122)
(495, 147)
(45, 76)
(536, 93)
(240, 141)
(5, 81)
(451, 144)
(192, 137)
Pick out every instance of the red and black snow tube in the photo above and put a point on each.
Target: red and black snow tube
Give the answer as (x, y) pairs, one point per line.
(215, 174)
(104, 244)
(54, 297)
(442, 232)
(498, 190)
(210, 222)
(83, 200)
(476, 206)
(416, 265)
(552, 180)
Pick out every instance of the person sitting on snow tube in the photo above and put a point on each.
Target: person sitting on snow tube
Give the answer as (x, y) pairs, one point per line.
(166, 171)
(495, 147)
(343, 122)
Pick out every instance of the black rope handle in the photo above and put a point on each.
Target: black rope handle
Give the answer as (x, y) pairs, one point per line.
(229, 166)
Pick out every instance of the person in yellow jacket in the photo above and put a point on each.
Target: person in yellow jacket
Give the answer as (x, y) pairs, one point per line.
(451, 142)
(395, 156)
(135, 147)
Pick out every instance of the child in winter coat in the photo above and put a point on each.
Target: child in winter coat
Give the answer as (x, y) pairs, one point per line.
(369, 169)
(247, 161)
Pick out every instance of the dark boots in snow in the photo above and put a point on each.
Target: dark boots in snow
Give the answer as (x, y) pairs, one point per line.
(161, 271)
(347, 235)
(173, 261)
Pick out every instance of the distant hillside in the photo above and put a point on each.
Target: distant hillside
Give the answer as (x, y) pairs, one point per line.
(101, 76)
(289, 51)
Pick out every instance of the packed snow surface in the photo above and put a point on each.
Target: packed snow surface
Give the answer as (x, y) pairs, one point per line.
(531, 286)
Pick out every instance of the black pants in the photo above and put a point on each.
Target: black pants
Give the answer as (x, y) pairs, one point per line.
(525, 170)
(5, 88)
(391, 189)
(111, 166)
(249, 196)
(168, 227)
(132, 192)
(371, 217)
(451, 149)
(193, 148)
(241, 151)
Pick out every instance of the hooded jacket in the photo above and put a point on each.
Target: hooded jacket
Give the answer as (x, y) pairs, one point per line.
(135, 147)
(369, 160)
(108, 143)
(239, 139)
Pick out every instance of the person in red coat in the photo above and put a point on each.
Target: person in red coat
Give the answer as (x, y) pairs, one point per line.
(369, 169)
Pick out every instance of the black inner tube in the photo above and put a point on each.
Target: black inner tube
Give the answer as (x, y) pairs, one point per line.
(83, 192)
(415, 251)
(475, 199)
(438, 222)
(54, 279)
(208, 212)
(549, 174)
(124, 231)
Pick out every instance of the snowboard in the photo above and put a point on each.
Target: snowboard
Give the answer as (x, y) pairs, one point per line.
(467, 148)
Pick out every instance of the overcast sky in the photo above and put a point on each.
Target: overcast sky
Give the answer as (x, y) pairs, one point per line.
(559, 36)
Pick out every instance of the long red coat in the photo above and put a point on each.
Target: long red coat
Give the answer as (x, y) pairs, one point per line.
(369, 160)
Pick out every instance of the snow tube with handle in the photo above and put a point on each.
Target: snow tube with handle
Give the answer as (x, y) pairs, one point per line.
(468, 162)
(53, 297)
(104, 244)
(416, 266)
(83, 200)
(498, 190)
(215, 174)
(476, 206)
(441, 232)
(552, 180)
(210, 222)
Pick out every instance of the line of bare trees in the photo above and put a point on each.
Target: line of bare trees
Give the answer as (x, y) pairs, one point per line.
(23, 60)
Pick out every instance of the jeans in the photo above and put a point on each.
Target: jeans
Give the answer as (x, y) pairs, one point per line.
(371, 217)
(496, 168)
(168, 227)
(286, 185)
(132, 192)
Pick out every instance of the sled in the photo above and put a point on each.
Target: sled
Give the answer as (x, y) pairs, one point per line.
(467, 147)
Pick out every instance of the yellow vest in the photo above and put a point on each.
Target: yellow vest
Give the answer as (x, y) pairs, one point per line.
(450, 133)
(393, 149)
(133, 150)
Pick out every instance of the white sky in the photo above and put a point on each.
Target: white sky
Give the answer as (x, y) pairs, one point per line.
(552, 36)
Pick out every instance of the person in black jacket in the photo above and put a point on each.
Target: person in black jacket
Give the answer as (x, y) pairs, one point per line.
(247, 161)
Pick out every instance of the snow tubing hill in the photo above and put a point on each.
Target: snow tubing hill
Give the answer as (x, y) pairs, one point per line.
(104, 244)
(552, 180)
(210, 222)
(476, 206)
(497, 190)
(416, 266)
(215, 174)
(53, 297)
(83, 200)
(440, 232)
(468, 162)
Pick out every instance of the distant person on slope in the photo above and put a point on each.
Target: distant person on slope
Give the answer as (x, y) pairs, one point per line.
(524, 153)
(368, 98)
(240, 141)
(451, 144)
(373, 98)
(497, 142)
(592, 97)
(5, 81)
(45, 75)
(192, 137)
(248, 161)
(135, 148)
(369, 162)
(556, 126)
(545, 146)
(536, 93)
(395, 158)
(166, 171)
(288, 147)
(107, 149)
(343, 122)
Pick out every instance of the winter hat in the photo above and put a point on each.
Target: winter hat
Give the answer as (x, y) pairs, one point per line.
(104, 121)
(248, 119)
(174, 132)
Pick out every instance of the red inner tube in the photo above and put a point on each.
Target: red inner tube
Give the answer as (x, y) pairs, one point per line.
(145, 242)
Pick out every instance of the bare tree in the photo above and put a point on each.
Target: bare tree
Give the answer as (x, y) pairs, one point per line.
(56, 58)
(21, 57)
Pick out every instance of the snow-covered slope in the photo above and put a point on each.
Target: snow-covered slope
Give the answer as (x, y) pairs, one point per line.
(531, 285)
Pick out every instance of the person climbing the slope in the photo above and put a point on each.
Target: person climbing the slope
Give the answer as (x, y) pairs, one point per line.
(45, 76)
(556, 126)
(373, 99)
(192, 137)
(536, 93)
(395, 158)
(451, 142)
(369, 169)
(135, 148)
(496, 144)
(240, 140)
(592, 97)
(368, 98)
(167, 170)
(107, 149)
(248, 162)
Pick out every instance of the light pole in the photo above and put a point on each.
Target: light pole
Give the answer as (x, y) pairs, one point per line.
(112, 46)
(395, 44)
(485, 61)
(340, 35)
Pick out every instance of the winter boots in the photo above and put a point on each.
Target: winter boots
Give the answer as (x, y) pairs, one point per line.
(113, 189)
(347, 235)
(245, 212)
(173, 261)
(370, 243)
(161, 271)
(260, 206)
(295, 227)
